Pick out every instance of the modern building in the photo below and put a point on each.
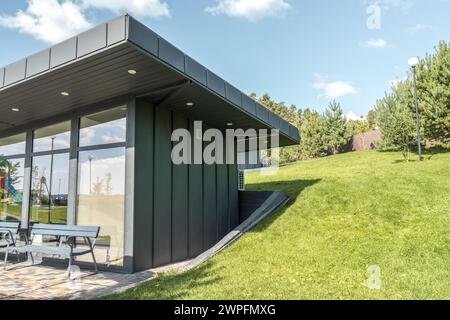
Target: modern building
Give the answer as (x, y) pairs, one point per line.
(85, 138)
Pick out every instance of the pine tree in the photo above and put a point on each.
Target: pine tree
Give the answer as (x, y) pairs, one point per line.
(335, 123)
(312, 132)
(433, 84)
(396, 121)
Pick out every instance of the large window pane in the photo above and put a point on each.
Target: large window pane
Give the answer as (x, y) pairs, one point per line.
(11, 189)
(101, 200)
(103, 128)
(13, 145)
(49, 191)
(55, 137)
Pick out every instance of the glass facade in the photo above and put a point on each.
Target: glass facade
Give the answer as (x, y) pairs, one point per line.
(12, 165)
(49, 189)
(105, 127)
(101, 180)
(13, 145)
(101, 199)
(51, 138)
(44, 167)
(50, 174)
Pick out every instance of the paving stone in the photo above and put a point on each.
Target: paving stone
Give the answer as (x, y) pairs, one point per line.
(38, 282)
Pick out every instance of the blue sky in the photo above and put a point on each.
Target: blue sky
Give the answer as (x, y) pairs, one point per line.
(300, 52)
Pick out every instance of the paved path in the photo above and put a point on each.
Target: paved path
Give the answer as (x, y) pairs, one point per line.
(38, 282)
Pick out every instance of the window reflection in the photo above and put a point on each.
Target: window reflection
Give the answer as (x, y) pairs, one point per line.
(11, 189)
(103, 128)
(13, 145)
(101, 200)
(55, 137)
(49, 189)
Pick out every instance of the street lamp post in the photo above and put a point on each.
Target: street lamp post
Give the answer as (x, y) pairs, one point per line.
(413, 62)
(51, 182)
(90, 173)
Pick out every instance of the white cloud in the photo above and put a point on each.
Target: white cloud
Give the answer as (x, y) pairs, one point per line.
(352, 116)
(252, 10)
(53, 21)
(376, 43)
(140, 8)
(417, 28)
(50, 21)
(333, 90)
(100, 168)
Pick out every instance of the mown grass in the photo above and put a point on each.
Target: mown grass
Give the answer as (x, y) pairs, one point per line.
(347, 212)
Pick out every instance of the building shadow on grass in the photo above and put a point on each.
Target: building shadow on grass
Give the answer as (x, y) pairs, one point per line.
(294, 189)
(182, 285)
(400, 161)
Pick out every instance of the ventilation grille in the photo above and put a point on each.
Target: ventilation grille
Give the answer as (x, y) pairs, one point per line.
(241, 179)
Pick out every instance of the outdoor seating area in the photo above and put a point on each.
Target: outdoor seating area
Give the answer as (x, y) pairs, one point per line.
(9, 232)
(33, 279)
(65, 239)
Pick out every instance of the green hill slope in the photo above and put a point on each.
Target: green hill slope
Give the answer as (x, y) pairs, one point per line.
(348, 212)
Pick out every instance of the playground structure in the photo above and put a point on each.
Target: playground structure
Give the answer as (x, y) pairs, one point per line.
(46, 207)
(39, 202)
(9, 194)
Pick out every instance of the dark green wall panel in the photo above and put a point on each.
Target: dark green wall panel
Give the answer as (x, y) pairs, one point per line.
(180, 211)
(209, 206)
(180, 196)
(222, 200)
(195, 205)
(233, 196)
(143, 193)
(162, 228)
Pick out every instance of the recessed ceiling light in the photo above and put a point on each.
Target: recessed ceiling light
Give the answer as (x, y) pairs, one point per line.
(229, 124)
(15, 109)
(132, 72)
(65, 94)
(189, 104)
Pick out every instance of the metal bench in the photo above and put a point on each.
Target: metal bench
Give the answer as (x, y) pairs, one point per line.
(67, 246)
(8, 233)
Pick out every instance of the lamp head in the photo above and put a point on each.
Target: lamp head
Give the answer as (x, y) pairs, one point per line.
(413, 62)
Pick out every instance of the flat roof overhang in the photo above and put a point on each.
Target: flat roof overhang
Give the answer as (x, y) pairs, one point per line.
(93, 68)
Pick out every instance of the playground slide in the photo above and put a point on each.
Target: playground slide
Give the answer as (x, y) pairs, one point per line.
(16, 196)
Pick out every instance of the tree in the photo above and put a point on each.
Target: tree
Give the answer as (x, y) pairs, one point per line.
(354, 127)
(97, 188)
(3, 167)
(371, 120)
(396, 121)
(290, 114)
(433, 84)
(335, 123)
(9, 170)
(433, 87)
(108, 187)
(312, 131)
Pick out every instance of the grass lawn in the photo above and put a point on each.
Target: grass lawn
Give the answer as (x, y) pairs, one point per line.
(347, 212)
